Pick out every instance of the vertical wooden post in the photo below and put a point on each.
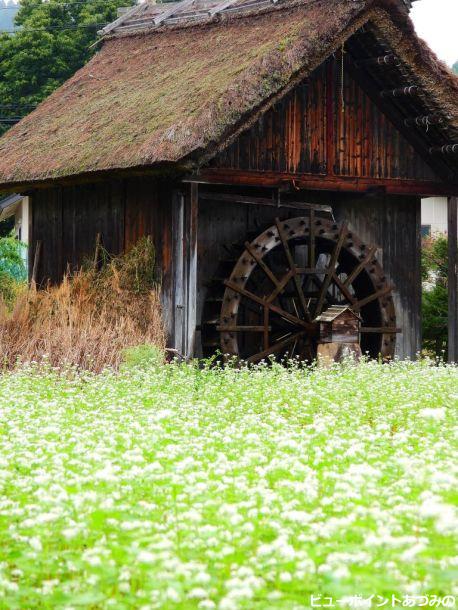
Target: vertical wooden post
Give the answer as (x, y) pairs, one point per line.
(36, 262)
(98, 245)
(178, 270)
(330, 115)
(192, 270)
(452, 279)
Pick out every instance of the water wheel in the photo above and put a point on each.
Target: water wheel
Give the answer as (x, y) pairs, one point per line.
(289, 275)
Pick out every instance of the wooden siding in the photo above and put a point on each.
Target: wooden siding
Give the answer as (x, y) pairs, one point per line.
(67, 220)
(326, 126)
(390, 222)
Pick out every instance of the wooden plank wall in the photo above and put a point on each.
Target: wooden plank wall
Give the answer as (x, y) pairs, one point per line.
(68, 219)
(292, 136)
(392, 223)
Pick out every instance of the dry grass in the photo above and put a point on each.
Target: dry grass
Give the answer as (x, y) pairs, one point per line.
(90, 318)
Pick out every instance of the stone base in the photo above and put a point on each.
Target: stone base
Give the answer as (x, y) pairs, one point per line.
(329, 353)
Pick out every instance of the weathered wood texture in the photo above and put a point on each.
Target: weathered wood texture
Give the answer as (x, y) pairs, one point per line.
(452, 279)
(392, 223)
(330, 126)
(67, 220)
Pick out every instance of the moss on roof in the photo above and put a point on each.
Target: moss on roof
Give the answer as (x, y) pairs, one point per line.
(177, 93)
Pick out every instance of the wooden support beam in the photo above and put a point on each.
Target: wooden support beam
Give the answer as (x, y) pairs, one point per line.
(408, 91)
(177, 6)
(36, 262)
(98, 246)
(135, 10)
(382, 60)
(425, 120)
(265, 201)
(191, 255)
(452, 279)
(330, 117)
(215, 10)
(447, 149)
(389, 186)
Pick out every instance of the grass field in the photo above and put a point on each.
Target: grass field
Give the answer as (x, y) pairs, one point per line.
(172, 487)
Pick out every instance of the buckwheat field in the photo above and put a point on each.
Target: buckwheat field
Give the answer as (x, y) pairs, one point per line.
(178, 488)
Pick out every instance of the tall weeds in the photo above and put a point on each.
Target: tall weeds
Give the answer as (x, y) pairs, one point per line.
(90, 318)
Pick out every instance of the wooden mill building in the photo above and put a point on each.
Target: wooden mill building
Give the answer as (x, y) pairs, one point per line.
(275, 150)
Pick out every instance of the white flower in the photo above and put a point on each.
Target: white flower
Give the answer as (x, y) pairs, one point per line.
(434, 413)
(35, 543)
(70, 532)
(206, 604)
(146, 557)
(285, 577)
(197, 593)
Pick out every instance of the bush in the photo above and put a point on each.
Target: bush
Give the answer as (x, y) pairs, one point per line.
(90, 318)
(13, 272)
(142, 356)
(435, 295)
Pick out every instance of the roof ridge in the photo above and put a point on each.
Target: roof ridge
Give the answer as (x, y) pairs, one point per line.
(177, 15)
(189, 12)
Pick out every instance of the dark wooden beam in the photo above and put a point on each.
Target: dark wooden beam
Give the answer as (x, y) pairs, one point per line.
(383, 60)
(446, 149)
(191, 221)
(408, 91)
(393, 186)
(425, 120)
(264, 201)
(330, 113)
(453, 279)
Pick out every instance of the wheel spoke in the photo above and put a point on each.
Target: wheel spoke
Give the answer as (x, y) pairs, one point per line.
(292, 266)
(372, 297)
(343, 289)
(388, 330)
(262, 264)
(278, 310)
(357, 270)
(330, 270)
(281, 286)
(274, 349)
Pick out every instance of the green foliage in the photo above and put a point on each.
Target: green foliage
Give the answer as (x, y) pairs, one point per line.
(11, 258)
(13, 273)
(435, 295)
(41, 55)
(179, 488)
(142, 356)
(455, 67)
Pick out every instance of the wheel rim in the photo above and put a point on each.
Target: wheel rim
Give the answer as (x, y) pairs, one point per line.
(290, 274)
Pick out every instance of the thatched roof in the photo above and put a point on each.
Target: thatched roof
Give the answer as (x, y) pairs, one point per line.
(176, 92)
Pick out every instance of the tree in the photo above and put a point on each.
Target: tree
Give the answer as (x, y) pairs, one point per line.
(52, 42)
(435, 295)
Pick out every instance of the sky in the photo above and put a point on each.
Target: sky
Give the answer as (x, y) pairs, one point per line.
(436, 21)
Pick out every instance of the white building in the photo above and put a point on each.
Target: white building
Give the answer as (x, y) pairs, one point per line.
(434, 215)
